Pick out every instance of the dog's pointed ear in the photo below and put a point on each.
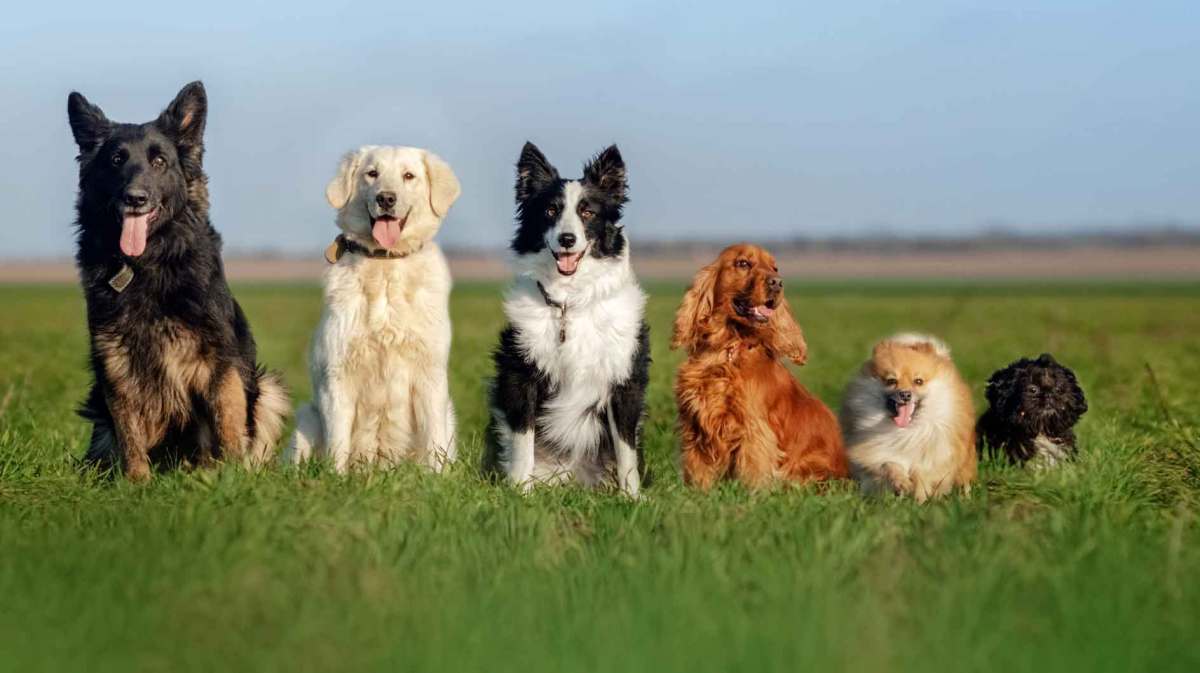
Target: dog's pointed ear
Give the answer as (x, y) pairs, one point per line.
(788, 338)
(534, 172)
(606, 170)
(89, 125)
(184, 120)
(443, 184)
(692, 317)
(340, 189)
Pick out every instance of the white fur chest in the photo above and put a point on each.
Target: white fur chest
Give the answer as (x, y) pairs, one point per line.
(378, 307)
(601, 338)
(874, 439)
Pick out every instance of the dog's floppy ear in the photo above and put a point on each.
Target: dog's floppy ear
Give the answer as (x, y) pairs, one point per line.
(788, 337)
(1078, 401)
(184, 120)
(443, 184)
(1000, 385)
(89, 125)
(534, 172)
(691, 319)
(340, 189)
(607, 171)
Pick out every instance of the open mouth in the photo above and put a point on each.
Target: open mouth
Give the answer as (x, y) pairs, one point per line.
(568, 262)
(902, 412)
(759, 313)
(135, 227)
(386, 229)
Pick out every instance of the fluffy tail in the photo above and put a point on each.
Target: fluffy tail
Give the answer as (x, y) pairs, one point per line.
(268, 414)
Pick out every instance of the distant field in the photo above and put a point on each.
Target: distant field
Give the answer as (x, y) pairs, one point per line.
(1095, 567)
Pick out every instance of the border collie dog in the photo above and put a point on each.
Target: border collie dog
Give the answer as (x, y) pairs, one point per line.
(573, 361)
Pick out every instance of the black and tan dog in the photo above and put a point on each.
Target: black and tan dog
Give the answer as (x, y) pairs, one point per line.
(174, 362)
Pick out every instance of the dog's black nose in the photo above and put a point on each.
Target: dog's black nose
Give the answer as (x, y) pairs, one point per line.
(135, 198)
(775, 284)
(566, 241)
(386, 200)
(903, 396)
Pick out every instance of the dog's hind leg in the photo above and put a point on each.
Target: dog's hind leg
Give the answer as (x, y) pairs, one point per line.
(309, 439)
(229, 413)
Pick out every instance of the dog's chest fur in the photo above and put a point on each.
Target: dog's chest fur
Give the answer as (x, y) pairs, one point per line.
(597, 354)
(381, 307)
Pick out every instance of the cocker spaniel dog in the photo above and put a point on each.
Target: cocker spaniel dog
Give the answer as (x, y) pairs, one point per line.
(741, 413)
(1033, 408)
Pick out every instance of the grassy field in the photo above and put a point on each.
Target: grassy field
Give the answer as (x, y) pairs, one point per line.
(1095, 567)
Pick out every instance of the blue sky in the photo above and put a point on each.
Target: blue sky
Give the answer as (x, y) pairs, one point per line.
(737, 120)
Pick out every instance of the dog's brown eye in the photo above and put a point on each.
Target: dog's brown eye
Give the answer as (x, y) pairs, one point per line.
(551, 211)
(891, 381)
(409, 176)
(372, 174)
(158, 162)
(919, 381)
(587, 214)
(742, 264)
(1031, 389)
(118, 159)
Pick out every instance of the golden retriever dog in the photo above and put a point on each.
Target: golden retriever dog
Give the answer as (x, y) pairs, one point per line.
(378, 358)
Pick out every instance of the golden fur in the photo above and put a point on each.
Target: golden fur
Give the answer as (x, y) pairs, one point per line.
(933, 452)
(742, 414)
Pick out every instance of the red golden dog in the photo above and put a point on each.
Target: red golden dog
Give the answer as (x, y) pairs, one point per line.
(741, 413)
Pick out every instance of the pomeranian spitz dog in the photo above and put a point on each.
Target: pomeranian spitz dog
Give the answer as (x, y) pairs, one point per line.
(909, 421)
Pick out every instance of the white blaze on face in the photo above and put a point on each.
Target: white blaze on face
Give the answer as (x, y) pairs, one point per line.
(568, 220)
(568, 256)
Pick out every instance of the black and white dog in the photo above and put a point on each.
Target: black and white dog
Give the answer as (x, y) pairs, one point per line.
(1033, 406)
(573, 361)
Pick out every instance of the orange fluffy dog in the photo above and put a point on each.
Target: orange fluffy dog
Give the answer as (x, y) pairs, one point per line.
(741, 413)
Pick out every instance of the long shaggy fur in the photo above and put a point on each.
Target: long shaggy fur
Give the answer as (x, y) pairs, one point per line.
(909, 421)
(741, 413)
(1033, 406)
(176, 379)
(379, 355)
(568, 398)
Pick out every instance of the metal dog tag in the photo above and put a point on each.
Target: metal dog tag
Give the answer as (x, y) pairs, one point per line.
(122, 280)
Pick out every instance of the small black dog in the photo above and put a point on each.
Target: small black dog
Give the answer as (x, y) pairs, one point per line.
(1033, 408)
(172, 355)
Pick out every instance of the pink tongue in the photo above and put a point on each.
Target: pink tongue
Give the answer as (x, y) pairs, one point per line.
(133, 234)
(386, 231)
(903, 418)
(568, 263)
(765, 311)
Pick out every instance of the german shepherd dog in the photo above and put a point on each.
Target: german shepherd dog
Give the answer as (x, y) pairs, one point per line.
(176, 381)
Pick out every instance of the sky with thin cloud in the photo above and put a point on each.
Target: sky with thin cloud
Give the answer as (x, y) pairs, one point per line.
(739, 120)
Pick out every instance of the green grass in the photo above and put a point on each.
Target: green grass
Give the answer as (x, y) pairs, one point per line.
(1095, 567)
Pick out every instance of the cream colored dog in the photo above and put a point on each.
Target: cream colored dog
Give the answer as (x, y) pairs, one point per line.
(378, 358)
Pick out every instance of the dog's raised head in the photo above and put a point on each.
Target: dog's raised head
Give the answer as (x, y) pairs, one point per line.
(740, 295)
(1037, 396)
(907, 368)
(135, 178)
(392, 198)
(569, 229)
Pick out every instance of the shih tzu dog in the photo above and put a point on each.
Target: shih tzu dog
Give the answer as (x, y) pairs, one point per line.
(1033, 406)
